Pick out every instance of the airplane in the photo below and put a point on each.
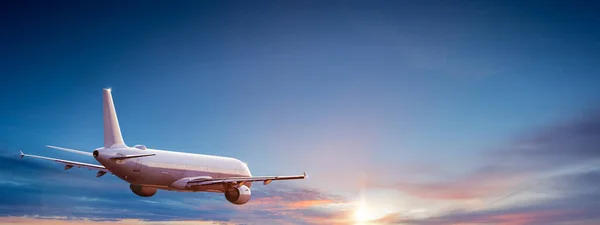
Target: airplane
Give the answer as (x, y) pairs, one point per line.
(148, 170)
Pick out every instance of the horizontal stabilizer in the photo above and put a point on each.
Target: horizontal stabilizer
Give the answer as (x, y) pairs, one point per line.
(68, 164)
(70, 150)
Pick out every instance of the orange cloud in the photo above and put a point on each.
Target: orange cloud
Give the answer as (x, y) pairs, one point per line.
(310, 203)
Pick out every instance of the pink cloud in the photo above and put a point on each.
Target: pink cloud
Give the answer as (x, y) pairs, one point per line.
(475, 185)
(64, 221)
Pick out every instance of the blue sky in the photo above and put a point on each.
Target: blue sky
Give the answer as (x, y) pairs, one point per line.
(367, 97)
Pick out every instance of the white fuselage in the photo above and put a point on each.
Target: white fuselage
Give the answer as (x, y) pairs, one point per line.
(166, 167)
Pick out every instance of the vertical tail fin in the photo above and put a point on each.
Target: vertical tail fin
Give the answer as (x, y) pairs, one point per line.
(112, 132)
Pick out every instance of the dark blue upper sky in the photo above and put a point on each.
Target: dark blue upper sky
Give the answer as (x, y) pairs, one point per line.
(371, 84)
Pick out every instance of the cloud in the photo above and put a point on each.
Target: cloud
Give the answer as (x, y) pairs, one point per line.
(65, 221)
(484, 182)
(547, 150)
(548, 176)
(573, 200)
(299, 205)
(310, 203)
(562, 144)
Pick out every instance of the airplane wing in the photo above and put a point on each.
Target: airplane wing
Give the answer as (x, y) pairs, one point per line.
(242, 180)
(70, 164)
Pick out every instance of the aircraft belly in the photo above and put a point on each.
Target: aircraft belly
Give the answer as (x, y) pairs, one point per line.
(160, 176)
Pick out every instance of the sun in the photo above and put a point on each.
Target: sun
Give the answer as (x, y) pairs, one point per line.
(363, 214)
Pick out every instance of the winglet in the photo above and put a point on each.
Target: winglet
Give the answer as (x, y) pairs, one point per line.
(304, 174)
(22, 154)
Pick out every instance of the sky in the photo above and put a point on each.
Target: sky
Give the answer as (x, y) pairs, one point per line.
(400, 112)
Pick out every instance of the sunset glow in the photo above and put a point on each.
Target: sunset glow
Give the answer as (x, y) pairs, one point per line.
(365, 212)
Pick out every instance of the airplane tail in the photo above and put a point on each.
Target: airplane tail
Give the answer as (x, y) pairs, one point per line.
(112, 132)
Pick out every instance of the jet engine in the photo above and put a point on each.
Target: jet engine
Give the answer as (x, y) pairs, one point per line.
(142, 191)
(238, 195)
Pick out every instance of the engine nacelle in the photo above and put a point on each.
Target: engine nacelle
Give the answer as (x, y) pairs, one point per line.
(238, 195)
(142, 191)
